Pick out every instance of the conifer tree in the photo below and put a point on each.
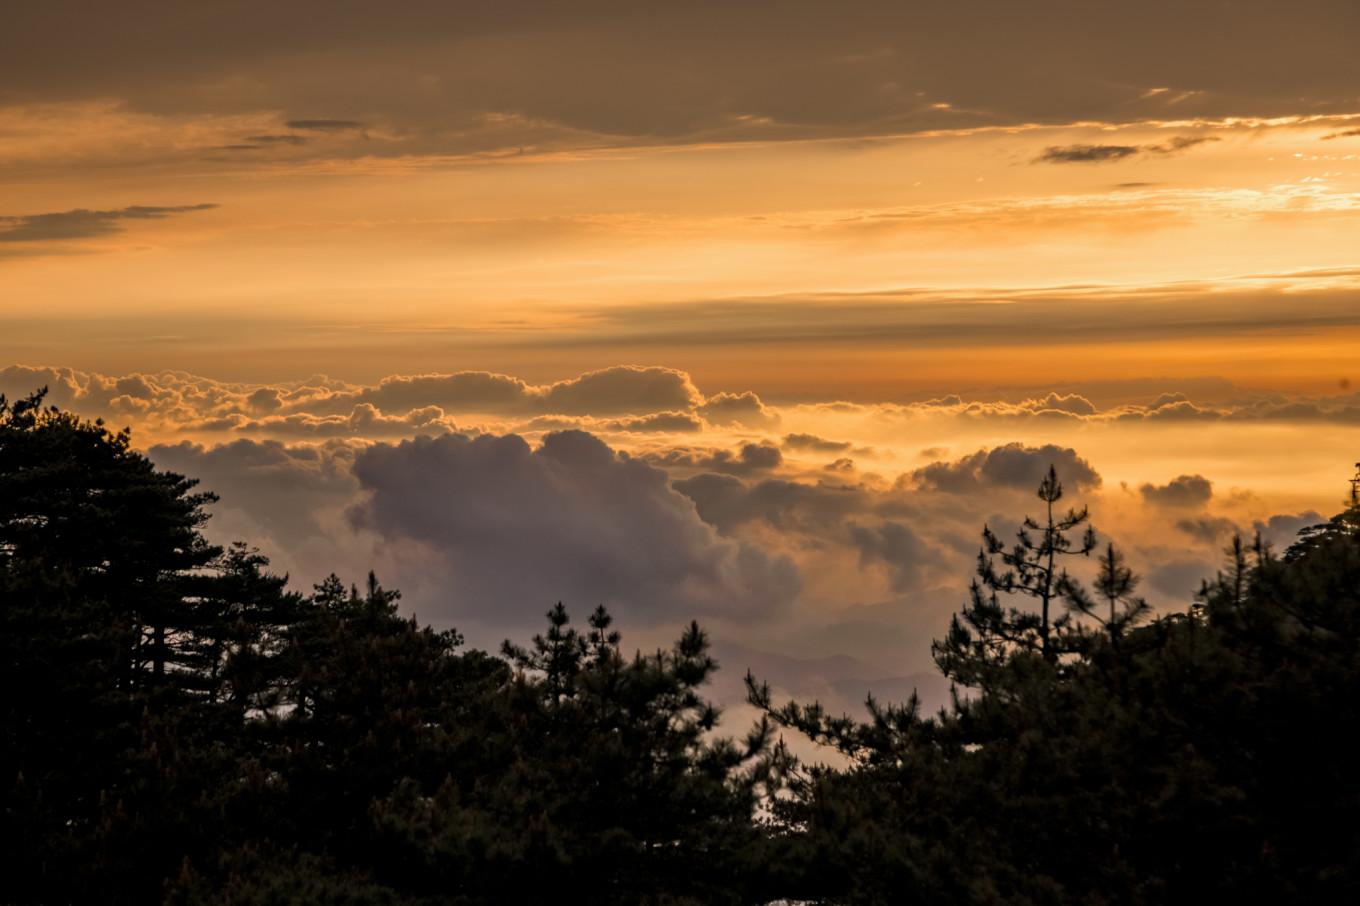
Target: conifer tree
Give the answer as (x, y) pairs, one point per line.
(113, 627)
(988, 631)
(1118, 608)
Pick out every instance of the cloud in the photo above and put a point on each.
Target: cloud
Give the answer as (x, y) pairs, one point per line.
(1282, 530)
(83, 223)
(1069, 154)
(746, 459)
(285, 499)
(743, 408)
(1347, 133)
(663, 422)
(928, 320)
(728, 503)
(1183, 491)
(1179, 579)
(619, 390)
(466, 390)
(364, 421)
(531, 73)
(821, 510)
(262, 142)
(265, 399)
(752, 458)
(487, 531)
(815, 444)
(908, 556)
(1278, 531)
(325, 125)
(1207, 529)
(1066, 403)
(517, 528)
(1011, 466)
(654, 423)
(615, 401)
(623, 388)
(1079, 154)
(1179, 143)
(277, 139)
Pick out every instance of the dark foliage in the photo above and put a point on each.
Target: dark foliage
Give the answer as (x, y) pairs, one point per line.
(1202, 757)
(178, 726)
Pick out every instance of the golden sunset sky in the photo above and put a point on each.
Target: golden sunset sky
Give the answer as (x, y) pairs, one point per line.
(823, 282)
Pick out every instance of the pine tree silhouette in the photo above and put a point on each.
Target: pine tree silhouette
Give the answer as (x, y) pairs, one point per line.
(987, 632)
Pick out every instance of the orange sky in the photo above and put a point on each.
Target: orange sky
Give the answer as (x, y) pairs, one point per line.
(382, 263)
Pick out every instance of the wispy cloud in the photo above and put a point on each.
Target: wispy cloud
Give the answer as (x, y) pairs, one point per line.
(325, 125)
(83, 223)
(1085, 154)
(283, 139)
(1074, 154)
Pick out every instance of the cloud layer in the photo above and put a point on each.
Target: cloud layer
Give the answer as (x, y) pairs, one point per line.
(637, 402)
(492, 75)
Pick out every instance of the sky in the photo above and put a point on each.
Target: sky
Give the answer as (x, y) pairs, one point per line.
(752, 313)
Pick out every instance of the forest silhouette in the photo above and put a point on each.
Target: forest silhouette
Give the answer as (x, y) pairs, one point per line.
(180, 727)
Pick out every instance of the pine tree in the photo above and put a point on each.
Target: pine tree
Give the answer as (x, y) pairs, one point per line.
(1119, 608)
(85, 517)
(988, 632)
(107, 629)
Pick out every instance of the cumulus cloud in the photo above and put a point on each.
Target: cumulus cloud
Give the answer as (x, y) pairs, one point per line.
(265, 399)
(737, 409)
(620, 400)
(654, 423)
(1011, 466)
(622, 389)
(1282, 530)
(464, 390)
(364, 421)
(83, 223)
(746, 459)
(1182, 491)
(1067, 403)
(662, 422)
(517, 528)
(286, 499)
(727, 502)
(1207, 529)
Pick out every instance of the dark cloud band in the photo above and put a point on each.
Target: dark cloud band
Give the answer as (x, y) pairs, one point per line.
(84, 224)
